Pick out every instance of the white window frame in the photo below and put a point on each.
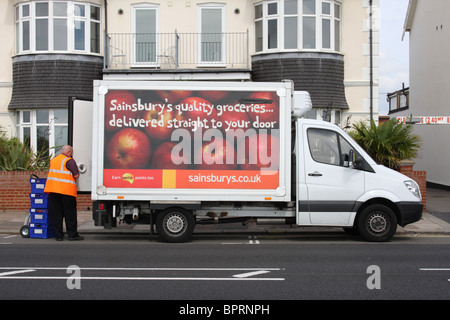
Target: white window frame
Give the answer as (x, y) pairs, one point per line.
(298, 17)
(96, 22)
(319, 17)
(337, 19)
(318, 37)
(272, 17)
(71, 19)
(149, 7)
(87, 27)
(261, 20)
(222, 61)
(33, 125)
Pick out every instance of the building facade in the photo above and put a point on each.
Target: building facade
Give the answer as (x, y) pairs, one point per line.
(428, 108)
(53, 50)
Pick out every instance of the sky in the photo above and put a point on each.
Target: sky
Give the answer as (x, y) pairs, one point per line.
(394, 53)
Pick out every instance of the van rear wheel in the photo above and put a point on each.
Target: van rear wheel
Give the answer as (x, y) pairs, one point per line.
(377, 223)
(175, 225)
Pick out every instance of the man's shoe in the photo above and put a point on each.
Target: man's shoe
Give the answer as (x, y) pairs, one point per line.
(76, 238)
(59, 239)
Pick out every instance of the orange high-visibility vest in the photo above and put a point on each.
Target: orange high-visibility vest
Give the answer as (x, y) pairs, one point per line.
(60, 179)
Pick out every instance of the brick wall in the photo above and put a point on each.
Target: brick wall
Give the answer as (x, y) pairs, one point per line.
(15, 191)
(407, 168)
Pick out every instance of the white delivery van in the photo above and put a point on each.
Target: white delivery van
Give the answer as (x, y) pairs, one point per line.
(173, 154)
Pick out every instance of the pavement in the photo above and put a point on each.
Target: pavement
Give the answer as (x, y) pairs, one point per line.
(436, 220)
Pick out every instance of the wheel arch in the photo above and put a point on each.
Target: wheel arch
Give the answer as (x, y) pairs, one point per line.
(383, 201)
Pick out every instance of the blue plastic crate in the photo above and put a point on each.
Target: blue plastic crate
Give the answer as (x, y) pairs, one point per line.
(39, 216)
(38, 200)
(42, 231)
(37, 185)
(37, 210)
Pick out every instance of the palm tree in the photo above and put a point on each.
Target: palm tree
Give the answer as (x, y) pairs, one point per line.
(388, 143)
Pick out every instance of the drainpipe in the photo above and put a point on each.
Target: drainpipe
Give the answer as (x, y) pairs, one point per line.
(105, 50)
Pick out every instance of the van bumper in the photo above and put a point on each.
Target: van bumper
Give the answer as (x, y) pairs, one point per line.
(410, 212)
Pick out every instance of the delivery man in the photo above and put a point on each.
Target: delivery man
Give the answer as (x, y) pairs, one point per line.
(62, 189)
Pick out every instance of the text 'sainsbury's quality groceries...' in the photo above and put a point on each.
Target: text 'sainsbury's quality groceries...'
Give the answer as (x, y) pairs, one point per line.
(148, 133)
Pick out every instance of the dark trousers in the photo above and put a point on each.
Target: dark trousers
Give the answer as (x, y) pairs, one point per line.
(61, 206)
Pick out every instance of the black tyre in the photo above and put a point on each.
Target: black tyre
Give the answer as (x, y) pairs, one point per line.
(25, 231)
(175, 225)
(377, 223)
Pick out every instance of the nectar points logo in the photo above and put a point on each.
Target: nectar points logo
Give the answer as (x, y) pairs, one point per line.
(128, 177)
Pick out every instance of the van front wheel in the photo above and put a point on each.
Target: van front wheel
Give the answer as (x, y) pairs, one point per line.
(377, 223)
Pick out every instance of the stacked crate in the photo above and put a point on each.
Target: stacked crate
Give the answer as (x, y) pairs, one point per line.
(40, 225)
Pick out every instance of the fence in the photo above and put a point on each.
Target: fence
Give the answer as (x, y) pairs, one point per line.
(168, 51)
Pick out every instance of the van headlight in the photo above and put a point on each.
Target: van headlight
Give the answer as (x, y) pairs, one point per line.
(413, 188)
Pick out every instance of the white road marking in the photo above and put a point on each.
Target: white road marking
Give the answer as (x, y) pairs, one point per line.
(15, 272)
(250, 274)
(435, 269)
(142, 269)
(145, 278)
(246, 276)
(253, 240)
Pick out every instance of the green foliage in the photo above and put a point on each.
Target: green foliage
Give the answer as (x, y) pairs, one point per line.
(388, 143)
(15, 156)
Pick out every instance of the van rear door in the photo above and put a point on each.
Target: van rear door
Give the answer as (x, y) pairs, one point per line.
(80, 138)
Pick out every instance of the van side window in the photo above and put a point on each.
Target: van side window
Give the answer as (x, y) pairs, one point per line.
(327, 146)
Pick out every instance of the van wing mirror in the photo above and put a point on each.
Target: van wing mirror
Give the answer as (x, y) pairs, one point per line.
(348, 160)
(351, 158)
(345, 160)
(354, 161)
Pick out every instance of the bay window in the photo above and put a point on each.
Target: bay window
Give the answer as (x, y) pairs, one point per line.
(57, 26)
(297, 25)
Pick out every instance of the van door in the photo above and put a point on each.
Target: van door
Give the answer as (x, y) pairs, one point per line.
(331, 185)
(80, 138)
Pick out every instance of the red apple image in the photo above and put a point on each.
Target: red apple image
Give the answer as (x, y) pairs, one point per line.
(269, 100)
(119, 108)
(218, 154)
(259, 151)
(158, 128)
(129, 149)
(214, 95)
(167, 156)
(173, 96)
